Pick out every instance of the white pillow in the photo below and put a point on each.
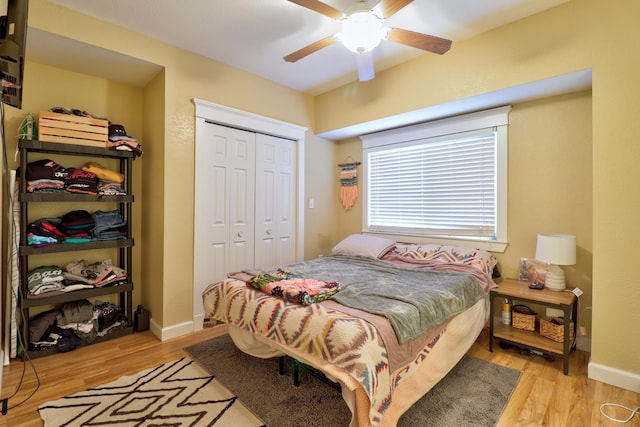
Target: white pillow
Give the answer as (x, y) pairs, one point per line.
(364, 245)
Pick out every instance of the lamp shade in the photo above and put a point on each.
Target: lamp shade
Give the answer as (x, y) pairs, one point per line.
(558, 249)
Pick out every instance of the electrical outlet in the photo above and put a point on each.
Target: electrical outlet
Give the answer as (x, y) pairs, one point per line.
(577, 292)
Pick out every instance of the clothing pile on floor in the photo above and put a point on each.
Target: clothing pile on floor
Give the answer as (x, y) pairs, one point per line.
(78, 226)
(49, 280)
(76, 322)
(47, 176)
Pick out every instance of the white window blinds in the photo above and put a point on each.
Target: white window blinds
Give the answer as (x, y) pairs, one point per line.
(442, 182)
(438, 186)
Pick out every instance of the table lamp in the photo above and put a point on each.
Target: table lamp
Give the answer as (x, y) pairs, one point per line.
(556, 250)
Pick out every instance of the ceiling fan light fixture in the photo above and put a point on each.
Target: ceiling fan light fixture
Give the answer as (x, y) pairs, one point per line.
(361, 31)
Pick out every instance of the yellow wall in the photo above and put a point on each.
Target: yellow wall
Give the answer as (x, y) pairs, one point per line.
(580, 34)
(151, 199)
(164, 121)
(550, 185)
(321, 172)
(46, 87)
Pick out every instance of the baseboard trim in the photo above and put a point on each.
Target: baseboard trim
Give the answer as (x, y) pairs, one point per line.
(198, 322)
(173, 331)
(613, 376)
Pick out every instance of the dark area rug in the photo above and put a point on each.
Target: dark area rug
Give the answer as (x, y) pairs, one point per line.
(474, 393)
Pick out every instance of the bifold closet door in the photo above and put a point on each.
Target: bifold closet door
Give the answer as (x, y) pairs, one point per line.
(275, 201)
(225, 188)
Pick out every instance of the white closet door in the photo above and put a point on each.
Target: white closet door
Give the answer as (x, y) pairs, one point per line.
(215, 256)
(225, 186)
(275, 201)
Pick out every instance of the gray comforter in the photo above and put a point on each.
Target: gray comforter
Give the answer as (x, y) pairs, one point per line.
(414, 300)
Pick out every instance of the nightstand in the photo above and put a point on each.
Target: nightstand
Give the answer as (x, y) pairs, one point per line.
(520, 292)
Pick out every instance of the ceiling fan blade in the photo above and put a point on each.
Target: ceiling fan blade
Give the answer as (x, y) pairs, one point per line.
(365, 66)
(322, 8)
(309, 49)
(418, 40)
(386, 8)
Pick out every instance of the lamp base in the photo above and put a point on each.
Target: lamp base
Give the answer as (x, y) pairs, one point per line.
(554, 278)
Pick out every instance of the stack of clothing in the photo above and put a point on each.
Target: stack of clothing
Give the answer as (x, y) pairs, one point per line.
(75, 322)
(110, 317)
(45, 176)
(98, 274)
(50, 280)
(79, 317)
(45, 231)
(43, 332)
(109, 225)
(77, 225)
(119, 140)
(80, 181)
(93, 178)
(45, 279)
(73, 227)
(109, 182)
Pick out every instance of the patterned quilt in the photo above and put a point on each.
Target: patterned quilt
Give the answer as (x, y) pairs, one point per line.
(346, 341)
(342, 337)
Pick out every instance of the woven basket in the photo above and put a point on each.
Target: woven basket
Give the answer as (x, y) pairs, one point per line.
(522, 317)
(553, 328)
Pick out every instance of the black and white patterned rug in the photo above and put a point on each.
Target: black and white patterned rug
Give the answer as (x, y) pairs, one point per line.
(179, 393)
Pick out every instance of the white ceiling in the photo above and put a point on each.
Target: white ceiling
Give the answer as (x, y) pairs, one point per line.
(254, 35)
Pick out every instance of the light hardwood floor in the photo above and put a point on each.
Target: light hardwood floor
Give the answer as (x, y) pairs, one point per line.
(543, 397)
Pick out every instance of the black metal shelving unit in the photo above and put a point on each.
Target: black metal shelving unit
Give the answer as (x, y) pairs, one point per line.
(122, 246)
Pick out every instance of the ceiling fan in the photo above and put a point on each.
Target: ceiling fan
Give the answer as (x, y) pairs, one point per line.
(362, 31)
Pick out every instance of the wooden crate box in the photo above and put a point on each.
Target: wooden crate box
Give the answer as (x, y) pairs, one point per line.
(71, 129)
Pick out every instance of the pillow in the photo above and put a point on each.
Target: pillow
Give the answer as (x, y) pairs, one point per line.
(364, 245)
(474, 257)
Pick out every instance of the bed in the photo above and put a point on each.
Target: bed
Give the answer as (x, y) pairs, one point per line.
(385, 320)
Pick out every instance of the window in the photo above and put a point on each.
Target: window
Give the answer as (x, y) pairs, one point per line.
(439, 180)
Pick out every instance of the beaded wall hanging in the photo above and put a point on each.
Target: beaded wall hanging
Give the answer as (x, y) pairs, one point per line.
(348, 183)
